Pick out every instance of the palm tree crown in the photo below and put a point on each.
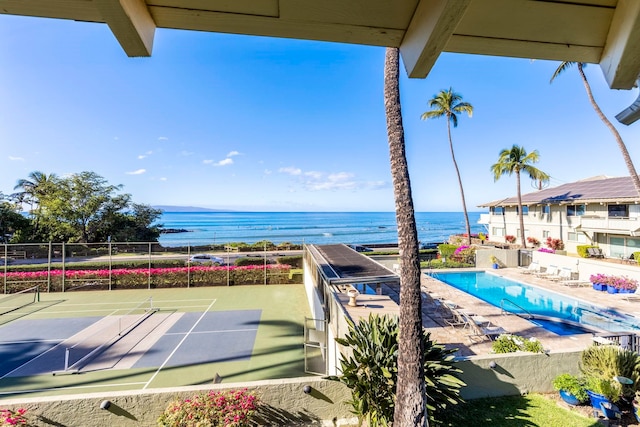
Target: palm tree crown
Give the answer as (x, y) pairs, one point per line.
(621, 145)
(516, 160)
(449, 104)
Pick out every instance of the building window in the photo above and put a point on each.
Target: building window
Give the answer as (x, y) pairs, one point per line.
(545, 233)
(497, 210)
(618, 211)
(576, 237)
(575, 210)
(546, 209)
(498, 231)
(525, 210)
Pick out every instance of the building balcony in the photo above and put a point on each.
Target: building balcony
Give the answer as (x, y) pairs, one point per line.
(617, 225)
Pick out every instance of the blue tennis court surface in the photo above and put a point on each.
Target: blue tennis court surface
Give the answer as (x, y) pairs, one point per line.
(219, 336)
(37, 347)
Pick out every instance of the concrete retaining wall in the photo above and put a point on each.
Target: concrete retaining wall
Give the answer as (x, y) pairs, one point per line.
(285, 403)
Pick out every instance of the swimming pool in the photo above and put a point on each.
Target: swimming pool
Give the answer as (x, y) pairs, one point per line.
(548, 306)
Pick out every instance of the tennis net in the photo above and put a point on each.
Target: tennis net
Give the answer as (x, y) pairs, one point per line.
(16, 301)
(79, 354)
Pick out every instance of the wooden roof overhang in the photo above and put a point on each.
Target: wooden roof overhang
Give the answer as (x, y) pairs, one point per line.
(604, 32)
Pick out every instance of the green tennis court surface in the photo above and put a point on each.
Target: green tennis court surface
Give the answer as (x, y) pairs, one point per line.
(89, 341)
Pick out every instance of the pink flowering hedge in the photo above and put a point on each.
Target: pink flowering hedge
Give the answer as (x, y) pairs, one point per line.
(138, 278)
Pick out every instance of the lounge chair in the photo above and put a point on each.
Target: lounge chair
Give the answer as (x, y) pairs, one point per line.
(565, 278)
(595, 252)
(481, 332)
(455, 318)
(533, 268)
(551, 271)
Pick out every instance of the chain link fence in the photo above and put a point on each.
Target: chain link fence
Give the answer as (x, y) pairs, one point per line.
(63, 267)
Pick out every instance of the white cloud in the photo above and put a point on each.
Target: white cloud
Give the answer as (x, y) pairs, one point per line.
(224, 162)
(207, 161)
(334, 181)
(290, 170)
(136, 172)
(163, 138)
(186, 153)
(268, 171)
(314, 174)
(163, 179)
(233, 153)
(16, 159)
(141, 156)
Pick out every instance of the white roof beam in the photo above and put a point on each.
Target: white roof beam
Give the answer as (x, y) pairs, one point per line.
(131, 23)
(620, 61)
(431, 27)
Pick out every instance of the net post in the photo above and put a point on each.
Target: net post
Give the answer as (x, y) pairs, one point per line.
(66, 358)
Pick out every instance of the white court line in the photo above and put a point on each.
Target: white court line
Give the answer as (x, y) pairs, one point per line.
(155, 374)
(38, 356)
(168, 301)
(36, 390)
(31, 341)
(214, 332)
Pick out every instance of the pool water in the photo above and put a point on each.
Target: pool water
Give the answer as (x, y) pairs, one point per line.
(520, 298)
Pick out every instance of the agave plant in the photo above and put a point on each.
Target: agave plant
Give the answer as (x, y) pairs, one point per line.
(369, 369)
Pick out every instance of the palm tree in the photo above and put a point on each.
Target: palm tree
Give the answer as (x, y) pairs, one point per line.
(410, 408)
(516, 159)
(448, 104)
(34, 188)
(621, 146)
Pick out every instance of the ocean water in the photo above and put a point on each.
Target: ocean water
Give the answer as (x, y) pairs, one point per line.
(207, 228)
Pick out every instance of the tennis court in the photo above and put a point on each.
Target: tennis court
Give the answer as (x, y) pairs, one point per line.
(88, 341)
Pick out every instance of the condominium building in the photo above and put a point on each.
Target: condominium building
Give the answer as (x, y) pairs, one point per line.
(600, 211)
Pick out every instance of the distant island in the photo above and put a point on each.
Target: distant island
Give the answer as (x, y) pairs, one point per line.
(170, 208)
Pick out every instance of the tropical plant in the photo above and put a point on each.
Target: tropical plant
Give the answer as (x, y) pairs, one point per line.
(554, 244)
(229, 408)
(448, 103)
(533, 241)
(571, 384)
(509, 343)
(509, 238)
(370, 370)
(517, 160)
(621, 145)
(34, 189)
(618, 282)
(411, 408)
(601, 364)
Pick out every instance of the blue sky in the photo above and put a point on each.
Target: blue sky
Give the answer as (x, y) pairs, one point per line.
(262, 124)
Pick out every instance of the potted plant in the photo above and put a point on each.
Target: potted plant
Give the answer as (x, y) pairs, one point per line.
(599, 281)
(571, 388)
(636, 406)
(601, 390)
(494, 262)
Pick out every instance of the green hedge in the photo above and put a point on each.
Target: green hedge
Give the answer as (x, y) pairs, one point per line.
(295, 261)
(447, 249)
(438, 264)
(582, 250)
(250, 260)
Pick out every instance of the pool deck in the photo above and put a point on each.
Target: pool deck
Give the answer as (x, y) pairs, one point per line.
(459, 337)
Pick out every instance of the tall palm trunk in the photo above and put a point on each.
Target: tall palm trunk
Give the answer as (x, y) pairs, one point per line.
(520, 215)
(614, 131)
(464, 202)
(410, 408)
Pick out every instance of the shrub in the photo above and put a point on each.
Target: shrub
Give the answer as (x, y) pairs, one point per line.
(600, 364)
(582, 250)
(508, 343)
(447, 249)
(571, 384)
(250, 260)
(230, 408)
(13, 418)
(555, 244)
(533, 241)
(370, 371)
(295, 261)
(509, 238)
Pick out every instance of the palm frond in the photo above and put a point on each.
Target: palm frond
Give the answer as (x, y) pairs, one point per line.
(561, 68)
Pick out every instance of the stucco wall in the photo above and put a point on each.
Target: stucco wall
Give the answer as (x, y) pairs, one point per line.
(284, 401)
(515, 373)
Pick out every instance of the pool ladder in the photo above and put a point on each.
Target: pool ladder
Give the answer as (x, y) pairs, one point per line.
(502, 310)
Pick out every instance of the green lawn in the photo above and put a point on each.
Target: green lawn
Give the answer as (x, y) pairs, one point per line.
(515, 411)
